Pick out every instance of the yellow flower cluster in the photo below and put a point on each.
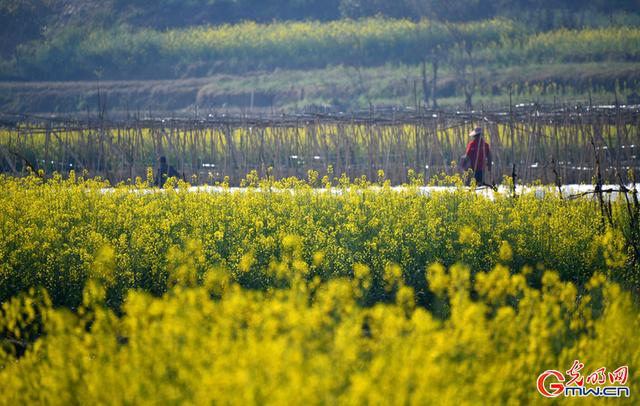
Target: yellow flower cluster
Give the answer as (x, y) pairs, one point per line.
(371, 39)
(316, 344)
(365, 295)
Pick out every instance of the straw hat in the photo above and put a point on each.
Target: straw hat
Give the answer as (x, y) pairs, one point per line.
(476, 131)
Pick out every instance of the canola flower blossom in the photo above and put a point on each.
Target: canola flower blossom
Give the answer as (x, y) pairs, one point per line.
(361, 297)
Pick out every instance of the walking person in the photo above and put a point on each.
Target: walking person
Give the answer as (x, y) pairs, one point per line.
(478, 154)
(164, 172)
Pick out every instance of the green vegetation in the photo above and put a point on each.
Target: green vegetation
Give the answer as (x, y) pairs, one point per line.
(458, 60)
(341, 87)
(457, 51)
(125, 53)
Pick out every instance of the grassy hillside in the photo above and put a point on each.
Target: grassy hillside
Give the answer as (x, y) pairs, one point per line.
(345, 64)
(125, 53)
(342, 63)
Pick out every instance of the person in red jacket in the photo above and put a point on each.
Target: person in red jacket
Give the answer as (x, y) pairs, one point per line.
(478, 153)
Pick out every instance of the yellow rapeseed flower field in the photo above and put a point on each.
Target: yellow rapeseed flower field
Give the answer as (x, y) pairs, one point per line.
(358, 295)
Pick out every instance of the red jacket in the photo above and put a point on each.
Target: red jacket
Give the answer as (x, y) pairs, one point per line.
(477, 156)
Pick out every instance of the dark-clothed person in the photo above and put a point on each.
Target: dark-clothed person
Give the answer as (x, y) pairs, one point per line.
(164, 172)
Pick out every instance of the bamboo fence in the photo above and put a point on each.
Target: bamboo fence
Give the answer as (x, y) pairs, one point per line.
(535, 143)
